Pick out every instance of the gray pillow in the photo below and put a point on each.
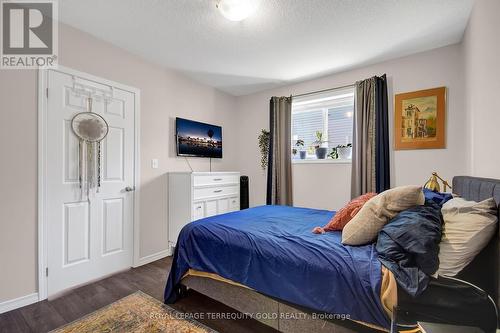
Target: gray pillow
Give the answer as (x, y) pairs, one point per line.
(468, 227)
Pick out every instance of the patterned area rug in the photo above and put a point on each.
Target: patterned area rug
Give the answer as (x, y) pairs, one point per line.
(135, 313)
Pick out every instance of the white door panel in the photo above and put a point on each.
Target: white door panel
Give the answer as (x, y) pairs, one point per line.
(87, 239)
(70, 158)
(76, 226)
(113, 155)
(113, 225)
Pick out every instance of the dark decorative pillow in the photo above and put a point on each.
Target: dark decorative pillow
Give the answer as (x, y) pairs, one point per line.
(438, 197)
(409, 246)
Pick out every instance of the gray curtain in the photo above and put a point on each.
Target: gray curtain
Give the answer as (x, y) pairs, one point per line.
(363, 147)
(370, 156)
(279, 171)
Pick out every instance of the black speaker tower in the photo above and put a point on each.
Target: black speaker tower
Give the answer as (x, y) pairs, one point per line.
(244, 199)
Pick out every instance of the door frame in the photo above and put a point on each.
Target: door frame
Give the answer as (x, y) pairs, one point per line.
(42, 162)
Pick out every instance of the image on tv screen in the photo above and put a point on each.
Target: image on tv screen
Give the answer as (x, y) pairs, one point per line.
(198, 139)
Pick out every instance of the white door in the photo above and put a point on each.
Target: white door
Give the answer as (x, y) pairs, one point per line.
(88, 239)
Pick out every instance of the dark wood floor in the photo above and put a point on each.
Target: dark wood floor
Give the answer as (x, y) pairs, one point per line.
(45, 316)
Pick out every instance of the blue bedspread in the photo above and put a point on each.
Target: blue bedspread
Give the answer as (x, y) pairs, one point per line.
(272, 250)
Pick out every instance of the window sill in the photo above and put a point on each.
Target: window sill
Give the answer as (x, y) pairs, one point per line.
(325, 161)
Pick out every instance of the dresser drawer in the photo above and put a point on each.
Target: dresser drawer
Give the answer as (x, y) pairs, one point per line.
(214, 180)
(208, 192)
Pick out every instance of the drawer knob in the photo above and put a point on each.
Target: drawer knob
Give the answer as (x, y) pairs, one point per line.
(217, 179)
(217, 191)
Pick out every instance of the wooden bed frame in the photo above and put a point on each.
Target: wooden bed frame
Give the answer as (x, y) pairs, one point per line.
(482, 272)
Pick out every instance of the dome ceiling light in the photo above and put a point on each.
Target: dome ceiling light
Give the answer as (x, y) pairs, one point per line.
(237, 10)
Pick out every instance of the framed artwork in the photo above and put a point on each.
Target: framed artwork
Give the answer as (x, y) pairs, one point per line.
(420, 119)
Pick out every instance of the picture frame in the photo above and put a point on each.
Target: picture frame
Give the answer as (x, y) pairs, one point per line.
(419, 119)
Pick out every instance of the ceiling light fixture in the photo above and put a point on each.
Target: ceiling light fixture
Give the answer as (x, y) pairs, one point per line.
(237, 10)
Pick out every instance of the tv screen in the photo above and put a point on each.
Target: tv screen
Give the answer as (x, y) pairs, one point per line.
(198, 139)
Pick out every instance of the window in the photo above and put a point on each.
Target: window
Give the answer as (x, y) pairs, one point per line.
(330, 113)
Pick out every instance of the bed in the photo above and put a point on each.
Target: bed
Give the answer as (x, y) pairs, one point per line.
(277, 271)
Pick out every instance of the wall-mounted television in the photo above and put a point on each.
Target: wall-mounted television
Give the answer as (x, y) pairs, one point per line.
(198, 139)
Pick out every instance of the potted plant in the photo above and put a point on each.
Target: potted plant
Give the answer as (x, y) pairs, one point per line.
(344, 152)
(300, 147)
(333, 154)
(319, 146)
(310, 150)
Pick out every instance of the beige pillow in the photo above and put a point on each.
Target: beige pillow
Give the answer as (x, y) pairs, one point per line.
(468, 227)
(366, 225)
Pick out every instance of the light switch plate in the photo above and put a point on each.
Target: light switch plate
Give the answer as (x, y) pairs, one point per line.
(154, 163)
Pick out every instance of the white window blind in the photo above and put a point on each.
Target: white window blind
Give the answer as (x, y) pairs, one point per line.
(340, 125)
(305, 125)
(329, 112)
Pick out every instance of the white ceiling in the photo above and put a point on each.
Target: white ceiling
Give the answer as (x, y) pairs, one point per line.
(284, 41)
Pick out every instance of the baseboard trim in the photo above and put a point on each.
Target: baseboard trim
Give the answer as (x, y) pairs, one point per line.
(152, 257)
(19, 302)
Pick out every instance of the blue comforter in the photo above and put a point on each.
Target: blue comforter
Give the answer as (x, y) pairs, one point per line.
(272, 250)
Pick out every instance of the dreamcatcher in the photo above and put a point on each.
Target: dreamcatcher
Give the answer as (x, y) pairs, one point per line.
(91, 129)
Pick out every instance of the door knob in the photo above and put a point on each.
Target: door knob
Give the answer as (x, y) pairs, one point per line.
(129, 189)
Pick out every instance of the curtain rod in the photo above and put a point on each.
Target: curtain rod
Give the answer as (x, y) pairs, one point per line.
(324, 90)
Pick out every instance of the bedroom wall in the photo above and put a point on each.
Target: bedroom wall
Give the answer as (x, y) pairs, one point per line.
(164, 95)
(472, 115)
(439, 67)
(482, 76)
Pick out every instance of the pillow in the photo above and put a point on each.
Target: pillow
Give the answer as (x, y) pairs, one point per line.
(409, 246)
(468, 227)
(372, 217)
(438, 197)
(345, 214)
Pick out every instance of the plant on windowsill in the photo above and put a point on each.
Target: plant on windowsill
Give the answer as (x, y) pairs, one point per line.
(310, 151)
(344, 152)
(319, 146)
(333, 154)
(264, 139)
(299, 144)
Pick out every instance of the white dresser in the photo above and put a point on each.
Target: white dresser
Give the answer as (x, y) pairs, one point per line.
(195, 195)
